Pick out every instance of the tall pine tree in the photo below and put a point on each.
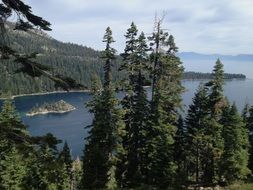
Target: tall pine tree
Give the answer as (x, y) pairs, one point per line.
(216, 104)
(103, 142)
(166, 100)
(133, 171)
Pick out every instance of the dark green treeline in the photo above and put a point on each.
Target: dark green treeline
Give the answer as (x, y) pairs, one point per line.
(151, 145)
(28, 162)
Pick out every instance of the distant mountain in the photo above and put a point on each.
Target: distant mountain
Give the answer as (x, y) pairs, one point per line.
(198, 56)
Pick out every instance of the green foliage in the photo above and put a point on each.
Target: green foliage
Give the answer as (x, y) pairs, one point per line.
(26, 20)
(66, 159)
(236, 144)
(146, 146)
(13, 168)
(103, 142)
(197, 141)
(248, 119)
(198, 75)
(180, 154)
(241, 186)
(216, 97)
(216, 103)
(29, 162)
(77, 173)
(166, 100)
(132, 170)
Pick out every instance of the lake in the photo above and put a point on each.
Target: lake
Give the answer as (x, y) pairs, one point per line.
(71, 126)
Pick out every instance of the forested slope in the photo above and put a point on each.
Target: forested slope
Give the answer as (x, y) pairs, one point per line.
(67, 59)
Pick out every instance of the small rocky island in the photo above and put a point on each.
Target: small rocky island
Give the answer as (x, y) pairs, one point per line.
(57, 107)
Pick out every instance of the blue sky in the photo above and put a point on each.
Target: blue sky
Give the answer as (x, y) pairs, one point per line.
(204, 26)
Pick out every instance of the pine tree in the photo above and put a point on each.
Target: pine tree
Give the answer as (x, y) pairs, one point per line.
(13, 130)
(196, 122)
(14, 147)
(65, 162)
(65, 157)
(249, 125)
(45, 171)
(236, 144)
(180, 153)
(166, 100)
(245, 112)
(216, 97)
(100, 153)
(77, 173)
(216, 104)
(13, 168)
(135, 103)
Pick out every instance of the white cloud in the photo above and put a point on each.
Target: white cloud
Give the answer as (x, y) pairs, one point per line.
(217, 26)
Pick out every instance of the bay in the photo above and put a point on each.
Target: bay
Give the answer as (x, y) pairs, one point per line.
(71, 126)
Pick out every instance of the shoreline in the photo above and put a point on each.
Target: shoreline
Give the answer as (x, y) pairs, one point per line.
(42, 93)
(62, 91)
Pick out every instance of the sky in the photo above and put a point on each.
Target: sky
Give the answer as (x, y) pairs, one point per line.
(203, 26)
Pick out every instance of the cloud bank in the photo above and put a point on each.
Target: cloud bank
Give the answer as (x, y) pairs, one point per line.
(217, 26)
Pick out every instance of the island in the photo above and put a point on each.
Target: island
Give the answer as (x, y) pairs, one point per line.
(57, 107)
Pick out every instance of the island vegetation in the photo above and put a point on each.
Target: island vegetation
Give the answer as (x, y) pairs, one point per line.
(136, 142)
(190, 75)
(57, 107)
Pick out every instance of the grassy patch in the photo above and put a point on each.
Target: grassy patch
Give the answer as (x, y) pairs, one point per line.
(246, 186)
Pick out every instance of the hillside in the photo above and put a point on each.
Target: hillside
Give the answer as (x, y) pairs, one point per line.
(76, 61)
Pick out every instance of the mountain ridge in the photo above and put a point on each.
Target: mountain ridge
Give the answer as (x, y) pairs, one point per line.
(200, 56)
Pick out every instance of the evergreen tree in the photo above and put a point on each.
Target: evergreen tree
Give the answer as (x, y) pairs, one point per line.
(12, 168)
(166, 100)
(196, 122)
(77, 173)
(216, 97)
(27, 162)
(216, 104)
(245, 112)
(135, 103)
(14, 132)
(248, 117)
(45, 171)
(65, 161)
(236, 144)
(12, 128)
(65, 157)
(14, 147)
(180, 153)
(103, 142)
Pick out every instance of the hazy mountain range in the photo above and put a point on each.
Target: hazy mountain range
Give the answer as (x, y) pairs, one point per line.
(198, 56)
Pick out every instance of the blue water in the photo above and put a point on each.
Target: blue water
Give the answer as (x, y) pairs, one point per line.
(70, 126)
